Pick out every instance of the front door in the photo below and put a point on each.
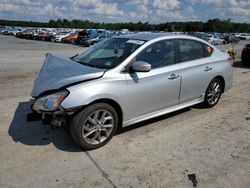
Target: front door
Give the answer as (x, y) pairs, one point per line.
(148, 92)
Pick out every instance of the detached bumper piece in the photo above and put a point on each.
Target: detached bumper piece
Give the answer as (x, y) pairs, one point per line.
(49, 119)
(33, 117)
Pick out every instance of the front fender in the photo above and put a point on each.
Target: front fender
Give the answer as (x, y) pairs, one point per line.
(86, 93)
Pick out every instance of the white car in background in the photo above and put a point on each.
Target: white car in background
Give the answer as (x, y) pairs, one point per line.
(244, 36)
(216, 41)
(15, 30)
(60, 36)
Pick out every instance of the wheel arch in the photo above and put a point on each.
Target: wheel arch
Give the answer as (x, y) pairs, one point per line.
(221, 78)
(115, 105)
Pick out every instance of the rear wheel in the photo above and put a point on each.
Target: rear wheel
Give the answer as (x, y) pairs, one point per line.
(213, 93)
(94, 126)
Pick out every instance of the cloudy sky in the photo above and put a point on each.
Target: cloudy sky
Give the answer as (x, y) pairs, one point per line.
(153, 11)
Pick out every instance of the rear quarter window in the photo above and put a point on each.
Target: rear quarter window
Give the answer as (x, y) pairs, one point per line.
(208, 50)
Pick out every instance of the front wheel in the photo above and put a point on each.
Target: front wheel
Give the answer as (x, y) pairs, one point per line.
(213, 93)
(94, 126)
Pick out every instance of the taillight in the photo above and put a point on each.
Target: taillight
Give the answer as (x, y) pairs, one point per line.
(244, 50)
(230, 60)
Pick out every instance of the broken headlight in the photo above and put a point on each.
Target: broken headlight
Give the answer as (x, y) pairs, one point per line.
(50, 103)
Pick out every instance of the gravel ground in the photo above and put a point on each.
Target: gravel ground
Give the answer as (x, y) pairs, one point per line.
(213, 144)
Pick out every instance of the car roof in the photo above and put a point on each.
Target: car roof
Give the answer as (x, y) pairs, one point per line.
(151, 36)
(145, 36)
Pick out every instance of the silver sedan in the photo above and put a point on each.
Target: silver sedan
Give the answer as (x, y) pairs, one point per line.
(128, 79)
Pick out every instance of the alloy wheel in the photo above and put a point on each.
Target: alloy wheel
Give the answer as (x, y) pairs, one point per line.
(214, 92)
(97, 127)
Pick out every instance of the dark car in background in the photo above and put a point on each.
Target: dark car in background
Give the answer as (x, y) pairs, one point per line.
(200, 35)
(26, 34)
(44, 36)
(245, 55)
(82, 34)
(88, 33)
(231, 39)
(92, 40)
(94, 36)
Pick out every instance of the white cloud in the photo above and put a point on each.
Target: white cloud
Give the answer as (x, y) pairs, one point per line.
(137, 2)
(166, 4)
(237, 10)
(98, 7)
(244, 4)
(194, 1)
(219, 3)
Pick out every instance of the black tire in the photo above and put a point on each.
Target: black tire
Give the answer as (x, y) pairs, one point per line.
(208, 102)
(244, 62)
(79, 124)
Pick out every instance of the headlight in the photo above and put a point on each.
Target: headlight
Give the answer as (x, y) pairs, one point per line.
(50, 102)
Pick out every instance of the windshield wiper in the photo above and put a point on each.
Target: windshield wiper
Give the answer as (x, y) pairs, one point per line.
(73, 57)
(81, 62)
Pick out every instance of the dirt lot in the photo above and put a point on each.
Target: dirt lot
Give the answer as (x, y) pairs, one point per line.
(213, 144)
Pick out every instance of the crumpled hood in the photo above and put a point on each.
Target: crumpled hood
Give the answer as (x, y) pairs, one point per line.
(57, 72)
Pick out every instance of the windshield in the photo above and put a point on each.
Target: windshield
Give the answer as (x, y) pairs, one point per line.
(109, 53)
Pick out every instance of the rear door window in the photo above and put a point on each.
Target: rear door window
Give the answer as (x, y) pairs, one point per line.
(190, 50)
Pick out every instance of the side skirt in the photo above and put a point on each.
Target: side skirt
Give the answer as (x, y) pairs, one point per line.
(162, 112)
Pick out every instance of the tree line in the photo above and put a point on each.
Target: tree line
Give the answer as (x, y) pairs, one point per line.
(212, 25)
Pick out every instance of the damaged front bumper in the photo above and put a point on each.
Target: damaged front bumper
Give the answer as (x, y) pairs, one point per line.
(49, 119)
(58, 118)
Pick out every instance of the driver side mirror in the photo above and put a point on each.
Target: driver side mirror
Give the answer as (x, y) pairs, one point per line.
(141, 66)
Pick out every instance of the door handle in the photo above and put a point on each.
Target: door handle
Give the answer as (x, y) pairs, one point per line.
(208, 69)
(173, 77)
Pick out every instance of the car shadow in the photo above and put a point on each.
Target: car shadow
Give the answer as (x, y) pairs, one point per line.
(239, 64)
(36, 134)
(153, 120)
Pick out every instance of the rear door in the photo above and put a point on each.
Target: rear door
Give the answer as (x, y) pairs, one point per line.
(196, 69)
